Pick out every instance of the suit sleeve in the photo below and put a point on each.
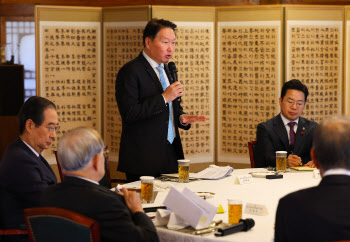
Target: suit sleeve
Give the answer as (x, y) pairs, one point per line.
(264, 153)
(136, 99)
(118, 224)
(26, 181)
(306, 157)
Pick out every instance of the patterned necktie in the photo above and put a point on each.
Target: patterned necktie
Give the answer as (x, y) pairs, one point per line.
(170, 124)
(291, 134)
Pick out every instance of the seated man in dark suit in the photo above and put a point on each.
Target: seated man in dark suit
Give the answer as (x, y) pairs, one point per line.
(120, 216)
(321, 213)
(287, 131)
(24, 173)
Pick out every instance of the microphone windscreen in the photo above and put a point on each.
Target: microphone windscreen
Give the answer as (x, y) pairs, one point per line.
(172, 66)
(249, 223)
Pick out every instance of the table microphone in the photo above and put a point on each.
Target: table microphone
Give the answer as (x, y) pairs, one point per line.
(242, 225)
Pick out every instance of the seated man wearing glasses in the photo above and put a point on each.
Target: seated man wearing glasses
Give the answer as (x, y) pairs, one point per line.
(24, 173)
(287, 131)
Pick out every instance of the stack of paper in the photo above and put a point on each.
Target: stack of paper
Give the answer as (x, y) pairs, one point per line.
(213, 172)
(303, 168)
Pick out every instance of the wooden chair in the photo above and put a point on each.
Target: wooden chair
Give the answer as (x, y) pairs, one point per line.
(58, 224)
(251, 147)
(11, 234)
(106, 180)
(12, 231)
(108, 174)
(60, 172)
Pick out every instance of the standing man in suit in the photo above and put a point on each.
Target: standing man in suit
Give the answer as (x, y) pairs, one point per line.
(24, 173)
(120, 216)
(326, 215)
(287, 131)
(149, 103)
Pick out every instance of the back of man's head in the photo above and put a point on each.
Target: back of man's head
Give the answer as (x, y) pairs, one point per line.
(331, 143)
(77, 148)
(294, 84)
(33, 109)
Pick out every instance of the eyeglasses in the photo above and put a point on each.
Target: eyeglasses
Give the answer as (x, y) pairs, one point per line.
(52, 128)
(291, 102)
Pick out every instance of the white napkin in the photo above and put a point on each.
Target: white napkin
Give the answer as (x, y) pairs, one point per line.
(168, 218)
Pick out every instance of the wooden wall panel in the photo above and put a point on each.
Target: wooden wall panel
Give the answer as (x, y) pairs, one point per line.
(308, 2)
(20, 9)
(105, 3)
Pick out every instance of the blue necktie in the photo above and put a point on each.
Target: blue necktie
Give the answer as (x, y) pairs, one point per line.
(170, 125)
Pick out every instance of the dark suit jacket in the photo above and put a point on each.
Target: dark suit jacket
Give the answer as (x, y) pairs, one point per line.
(108, 208)
(22, 179)
(145, 117)
(316, 214)
(272, 136)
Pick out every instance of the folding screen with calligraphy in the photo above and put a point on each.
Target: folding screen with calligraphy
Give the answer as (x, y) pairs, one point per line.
(242, 48)
(194, 58)
(249, 45)
(122, 34)
(347, 62)
(68, 64)
(314, 50)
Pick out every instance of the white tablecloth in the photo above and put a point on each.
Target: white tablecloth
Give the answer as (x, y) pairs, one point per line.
(259, 191)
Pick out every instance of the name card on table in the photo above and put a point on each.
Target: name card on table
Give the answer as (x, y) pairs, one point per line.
(255, 209)
(317, 174)
(243, 179)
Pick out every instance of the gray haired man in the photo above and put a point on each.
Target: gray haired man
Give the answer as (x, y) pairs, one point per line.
(321, 213)
(120, 216)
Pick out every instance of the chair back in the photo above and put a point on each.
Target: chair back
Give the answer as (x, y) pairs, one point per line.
(13, 235)
(12, 231)
(60, 172)
(58, 224)
(107, 175)
(251, 147)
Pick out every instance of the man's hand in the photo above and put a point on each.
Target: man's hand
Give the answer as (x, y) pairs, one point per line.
(310, 164)
(132, 200)
(294, 160)
(189, 119)
(173, 91)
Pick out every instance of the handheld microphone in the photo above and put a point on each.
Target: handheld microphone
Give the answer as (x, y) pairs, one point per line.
(243, 225)
(173, 73)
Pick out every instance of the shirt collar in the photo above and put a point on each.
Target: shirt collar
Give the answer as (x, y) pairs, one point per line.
(151, 61)
(336, 171)
(84, 178)
(32, 149)
(286, 121)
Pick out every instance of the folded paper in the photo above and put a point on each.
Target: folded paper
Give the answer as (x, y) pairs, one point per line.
(190, 207)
